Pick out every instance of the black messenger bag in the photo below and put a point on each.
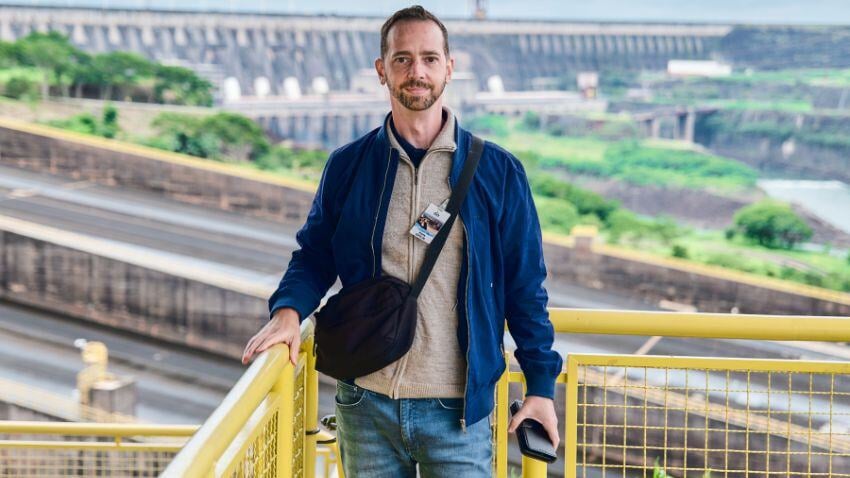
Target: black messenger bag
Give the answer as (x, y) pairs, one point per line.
(368, 325)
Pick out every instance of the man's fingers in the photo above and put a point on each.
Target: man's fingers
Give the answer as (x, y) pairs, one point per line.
(248, 354)
(269, 341)
(552, 430)
(259, 340)
(516, 420)
(294, 349)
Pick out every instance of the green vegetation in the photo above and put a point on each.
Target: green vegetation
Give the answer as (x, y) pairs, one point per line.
(771, 224)
(789, 105)
(827, 134)
(51, 62)
(562, 205)
(820, 269)
(86, 123)
(226, 137)
(636, 162)
(807, 76)
(220, 136)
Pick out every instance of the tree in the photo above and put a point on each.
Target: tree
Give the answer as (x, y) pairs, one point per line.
(771, 224)
(51, 53)
(8, 54)
(241, 138)
(19, 87)
(178, 85)
(84, 73)
(219, 136)
(109, 122)
(119, 69)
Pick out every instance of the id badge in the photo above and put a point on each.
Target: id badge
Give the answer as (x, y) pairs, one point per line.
(429, 223)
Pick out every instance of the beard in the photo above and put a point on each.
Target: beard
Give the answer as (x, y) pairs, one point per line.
(414, 102)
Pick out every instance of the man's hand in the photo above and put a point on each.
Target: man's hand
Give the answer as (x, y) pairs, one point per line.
(284, 328)
(541, 409)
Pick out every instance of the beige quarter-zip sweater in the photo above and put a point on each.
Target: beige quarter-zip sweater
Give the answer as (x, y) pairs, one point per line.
(434, 366)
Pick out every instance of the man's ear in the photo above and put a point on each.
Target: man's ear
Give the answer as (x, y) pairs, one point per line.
(450, 67)
(379, 67)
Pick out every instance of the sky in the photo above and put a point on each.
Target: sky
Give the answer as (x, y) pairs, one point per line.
(734, 11)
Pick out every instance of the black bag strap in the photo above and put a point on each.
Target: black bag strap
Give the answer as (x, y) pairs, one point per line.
(453, 208)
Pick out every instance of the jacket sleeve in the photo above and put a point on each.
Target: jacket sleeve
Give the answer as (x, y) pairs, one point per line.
(525, 297)
(312, 271)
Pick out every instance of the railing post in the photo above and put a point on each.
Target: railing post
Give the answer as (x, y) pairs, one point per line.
(311, 408)
(285, 390)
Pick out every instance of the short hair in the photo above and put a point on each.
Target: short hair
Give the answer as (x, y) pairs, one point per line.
(416, 12)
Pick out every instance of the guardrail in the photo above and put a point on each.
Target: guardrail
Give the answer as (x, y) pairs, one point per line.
(55, 449)
(624, 415)
(266, 426)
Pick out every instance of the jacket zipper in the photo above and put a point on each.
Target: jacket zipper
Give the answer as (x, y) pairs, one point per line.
(378, 213)
(468, 325)
(399, 371)
(411, 259)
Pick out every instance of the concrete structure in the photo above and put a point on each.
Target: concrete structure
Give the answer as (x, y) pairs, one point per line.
(672, 123)
(249, 46)
(167, 298)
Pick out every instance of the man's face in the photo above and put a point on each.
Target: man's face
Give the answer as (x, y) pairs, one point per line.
(415, 67)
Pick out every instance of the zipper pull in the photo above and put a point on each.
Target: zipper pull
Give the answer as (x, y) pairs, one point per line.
(463, 425)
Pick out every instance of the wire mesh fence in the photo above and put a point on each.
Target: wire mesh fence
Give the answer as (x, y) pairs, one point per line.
(693, 417)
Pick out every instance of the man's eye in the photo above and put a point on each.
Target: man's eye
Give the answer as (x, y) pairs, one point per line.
(401, 60)
(431, 59)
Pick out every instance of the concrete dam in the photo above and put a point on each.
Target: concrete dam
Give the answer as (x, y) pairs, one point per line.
(248, 47)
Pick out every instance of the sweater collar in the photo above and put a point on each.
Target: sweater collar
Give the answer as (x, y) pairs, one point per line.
(445, 140)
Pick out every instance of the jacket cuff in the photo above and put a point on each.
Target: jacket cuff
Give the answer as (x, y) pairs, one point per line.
(540, 385)
(303, 309)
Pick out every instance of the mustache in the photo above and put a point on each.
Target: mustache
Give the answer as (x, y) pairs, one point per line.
(417, 84)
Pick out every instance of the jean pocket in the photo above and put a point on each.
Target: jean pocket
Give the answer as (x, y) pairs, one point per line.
(450, 403)
(348, 395)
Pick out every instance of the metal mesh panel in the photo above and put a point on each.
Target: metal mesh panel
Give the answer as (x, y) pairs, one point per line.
(709, 417)
(260, 457)
(298, 427)
(75, 456)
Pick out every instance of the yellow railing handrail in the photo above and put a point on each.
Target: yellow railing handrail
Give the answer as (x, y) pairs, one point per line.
(90, 446)
(202, 451)
(701, 325)
(95, 429)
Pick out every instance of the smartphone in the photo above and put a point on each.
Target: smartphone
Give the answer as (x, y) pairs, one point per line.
(533, 439)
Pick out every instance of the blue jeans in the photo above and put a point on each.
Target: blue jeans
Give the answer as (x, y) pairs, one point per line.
(383, 437)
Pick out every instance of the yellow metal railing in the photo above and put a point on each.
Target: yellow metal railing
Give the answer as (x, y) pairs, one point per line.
(623, 415)
(633, 415)
(53, 449)
(266, 426)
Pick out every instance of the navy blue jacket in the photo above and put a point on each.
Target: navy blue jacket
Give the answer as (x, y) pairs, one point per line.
(501, 277)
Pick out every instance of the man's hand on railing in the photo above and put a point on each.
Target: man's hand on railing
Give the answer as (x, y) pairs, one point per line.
(541, 409)
(283, 328)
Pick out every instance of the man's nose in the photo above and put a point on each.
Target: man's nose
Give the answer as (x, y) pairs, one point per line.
(417, 69)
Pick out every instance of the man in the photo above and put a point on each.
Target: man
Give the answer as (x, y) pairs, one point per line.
(430, 409)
